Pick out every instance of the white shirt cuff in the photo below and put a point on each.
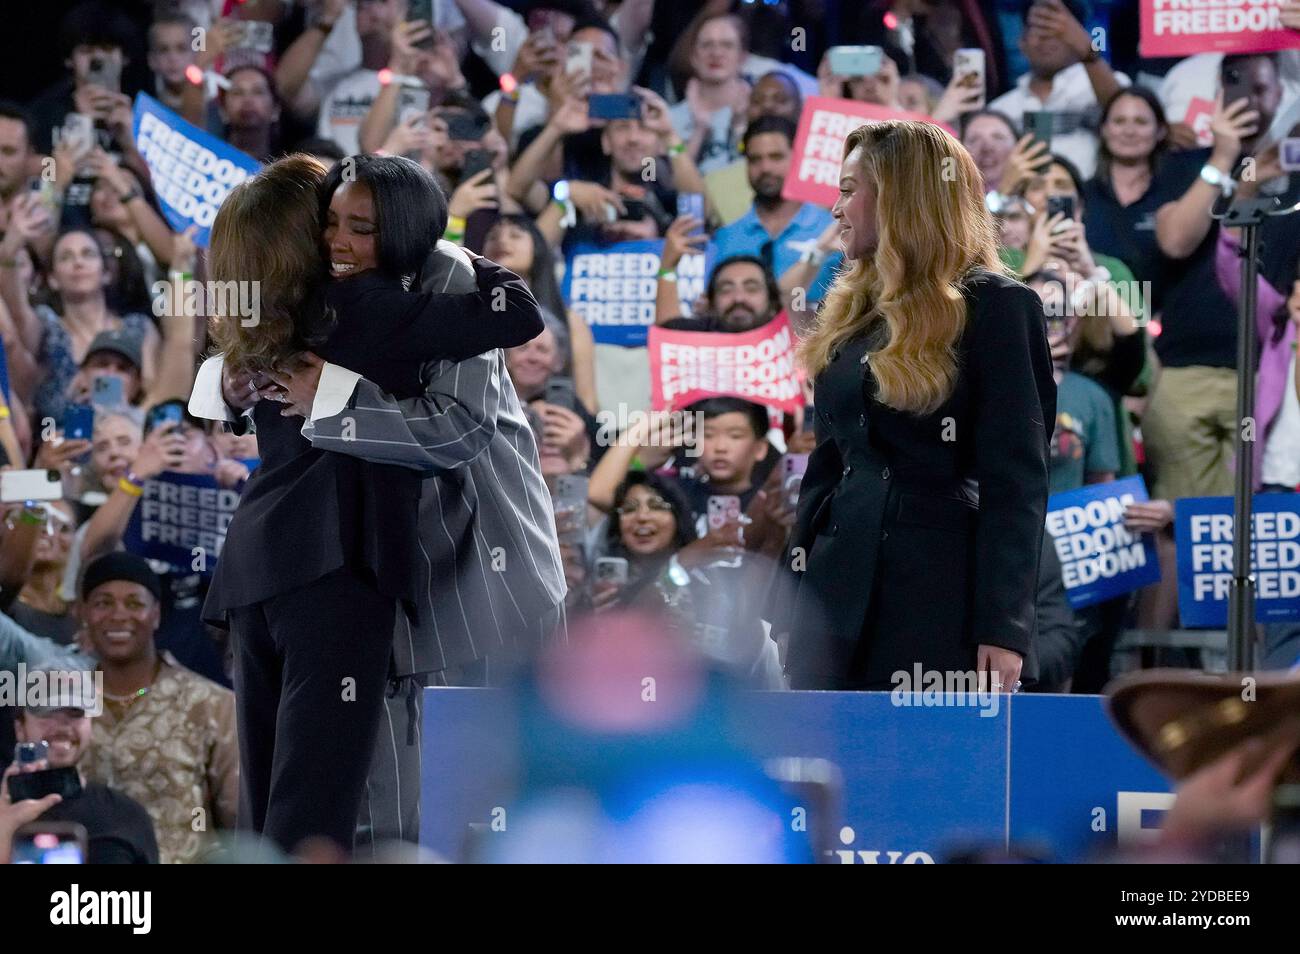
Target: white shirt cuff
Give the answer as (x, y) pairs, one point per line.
(206, 400)
(333, 391)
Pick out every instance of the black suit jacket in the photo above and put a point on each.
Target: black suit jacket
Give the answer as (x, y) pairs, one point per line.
(306, 512)
(917, 537)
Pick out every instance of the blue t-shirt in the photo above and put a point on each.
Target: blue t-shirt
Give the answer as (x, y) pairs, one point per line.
(746, 236)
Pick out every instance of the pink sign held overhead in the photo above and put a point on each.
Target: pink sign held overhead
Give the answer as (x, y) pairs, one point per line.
(824, 124)
(1187, 27)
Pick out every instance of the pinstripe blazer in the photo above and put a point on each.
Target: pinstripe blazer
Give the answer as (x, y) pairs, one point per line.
(491, 560)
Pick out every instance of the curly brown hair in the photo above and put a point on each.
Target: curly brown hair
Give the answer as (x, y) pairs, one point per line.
(289, 268)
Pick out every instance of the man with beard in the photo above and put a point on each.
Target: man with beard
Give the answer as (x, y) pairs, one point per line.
(779, 231)
(119, 829)
(250, 113)
(741, 295)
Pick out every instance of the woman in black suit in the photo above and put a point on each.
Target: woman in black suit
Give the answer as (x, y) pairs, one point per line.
(921, 512)
(323, 552)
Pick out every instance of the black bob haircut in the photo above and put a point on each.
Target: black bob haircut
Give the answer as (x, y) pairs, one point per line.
(1070, 169)
(683, 532)
(759, 421)
(410, 208)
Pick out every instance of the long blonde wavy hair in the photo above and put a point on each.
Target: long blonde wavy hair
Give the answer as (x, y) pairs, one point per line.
(268, 230)
(932, 229)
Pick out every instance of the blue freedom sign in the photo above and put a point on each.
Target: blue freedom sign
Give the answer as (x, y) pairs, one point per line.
(181, 520)
(1204, 531)
(191, 170)
(613, 287)
(1099, 557)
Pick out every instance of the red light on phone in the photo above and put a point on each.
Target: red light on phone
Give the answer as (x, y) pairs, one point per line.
(508, 83)
(891, 20)
(385, 76)
(194, 74)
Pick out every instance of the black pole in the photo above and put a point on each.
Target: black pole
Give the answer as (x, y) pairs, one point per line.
(1241, 598)
(1246, 214)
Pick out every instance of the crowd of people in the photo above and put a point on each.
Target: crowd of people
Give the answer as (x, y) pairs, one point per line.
(1107, 218)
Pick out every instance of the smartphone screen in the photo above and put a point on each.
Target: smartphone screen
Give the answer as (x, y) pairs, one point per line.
(107, 391)
(578, 58)
(1040, 125)
(614, 106)
(691, 203)
(105, 72)
(1060, 203)
(19, 485)
(560, 392)
(412, 101)
(422, 10)
(855, 60)
(633, 209)
(968, 67)
(79, 422)
(476, 160)
(50, 843)
(723, 509)
(159, 414)
(611, 570)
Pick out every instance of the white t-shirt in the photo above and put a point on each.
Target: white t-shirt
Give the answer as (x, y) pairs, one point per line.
(1076, 108)
(345, 107)
(1282, 448)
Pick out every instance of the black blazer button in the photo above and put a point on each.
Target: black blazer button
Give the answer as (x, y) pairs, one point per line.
(884, 474)
(884, 534)
(862, 420)
(848, 470)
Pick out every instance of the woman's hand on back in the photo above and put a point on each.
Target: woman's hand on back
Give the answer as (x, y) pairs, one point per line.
(298, 380)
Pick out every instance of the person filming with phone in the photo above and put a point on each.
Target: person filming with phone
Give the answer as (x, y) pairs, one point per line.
(55, 738)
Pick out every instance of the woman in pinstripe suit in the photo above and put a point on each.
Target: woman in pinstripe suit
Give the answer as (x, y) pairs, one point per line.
(323, 547)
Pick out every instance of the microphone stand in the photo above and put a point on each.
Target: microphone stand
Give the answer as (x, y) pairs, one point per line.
(1247, 215)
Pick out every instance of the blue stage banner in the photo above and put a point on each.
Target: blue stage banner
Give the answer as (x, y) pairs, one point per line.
(917, 781)
(191, 170)
(1076, 787)
(1203, 529)
(1099, 557)
(613, 287)
(181, 520)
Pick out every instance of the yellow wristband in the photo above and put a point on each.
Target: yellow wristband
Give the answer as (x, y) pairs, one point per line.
(456, 224)
(126, 486)
(4, 413)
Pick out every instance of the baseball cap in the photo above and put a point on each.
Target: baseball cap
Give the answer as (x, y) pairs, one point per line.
(118, 342)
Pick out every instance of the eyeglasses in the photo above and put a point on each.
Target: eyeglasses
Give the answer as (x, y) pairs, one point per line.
(629, 508)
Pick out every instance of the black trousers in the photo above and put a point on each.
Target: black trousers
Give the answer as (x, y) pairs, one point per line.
(311, 668)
